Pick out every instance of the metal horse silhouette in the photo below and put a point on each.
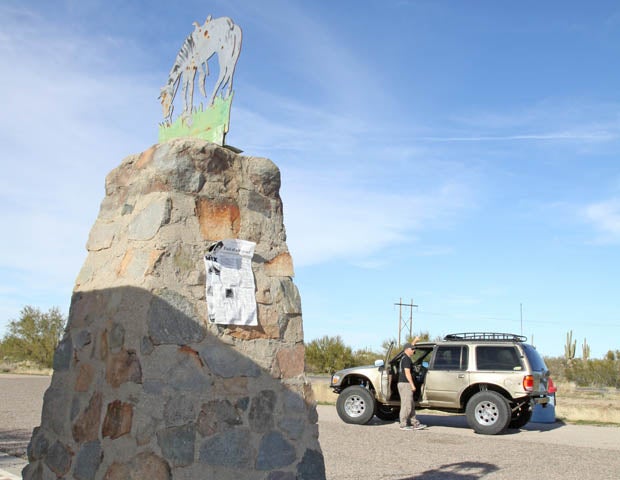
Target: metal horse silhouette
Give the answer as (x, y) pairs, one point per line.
(217, 35)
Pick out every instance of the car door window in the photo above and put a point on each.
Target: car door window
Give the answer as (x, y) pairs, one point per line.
(451, 357)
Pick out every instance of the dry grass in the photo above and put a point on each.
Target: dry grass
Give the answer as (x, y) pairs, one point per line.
(322, 393)
(23, 368)
(573, 405)
(587, 405)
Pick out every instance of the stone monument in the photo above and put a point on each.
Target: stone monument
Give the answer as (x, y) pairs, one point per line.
(144, 386)
(161, 374)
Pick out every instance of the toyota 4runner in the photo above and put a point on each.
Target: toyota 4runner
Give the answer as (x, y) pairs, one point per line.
(494, 378)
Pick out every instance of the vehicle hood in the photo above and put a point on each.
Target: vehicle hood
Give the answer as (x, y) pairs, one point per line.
(353, 369)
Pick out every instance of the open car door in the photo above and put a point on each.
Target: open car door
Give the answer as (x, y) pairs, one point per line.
(387, 375)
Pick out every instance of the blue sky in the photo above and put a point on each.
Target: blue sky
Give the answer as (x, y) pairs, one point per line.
(460, 154)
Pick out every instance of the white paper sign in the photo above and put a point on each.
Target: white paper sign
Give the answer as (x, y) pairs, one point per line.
(231, 297)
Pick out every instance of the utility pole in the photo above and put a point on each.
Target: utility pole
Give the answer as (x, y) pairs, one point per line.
(404, 324)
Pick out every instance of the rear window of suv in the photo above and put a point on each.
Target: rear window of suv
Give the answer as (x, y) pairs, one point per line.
(536, 361)
(498, 357)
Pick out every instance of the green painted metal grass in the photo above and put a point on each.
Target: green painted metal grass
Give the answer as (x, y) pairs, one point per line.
(210, 124)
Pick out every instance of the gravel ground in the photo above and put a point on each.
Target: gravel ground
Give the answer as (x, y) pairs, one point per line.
(448, 449)
(21, 400)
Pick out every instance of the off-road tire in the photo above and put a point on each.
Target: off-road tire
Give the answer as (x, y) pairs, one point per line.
(521, 416)
(355, 405)
(488, 413)
(387, 413)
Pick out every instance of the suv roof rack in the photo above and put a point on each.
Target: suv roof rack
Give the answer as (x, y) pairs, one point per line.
(485, 336)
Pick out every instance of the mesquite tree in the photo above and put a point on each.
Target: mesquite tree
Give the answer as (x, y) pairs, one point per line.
(34, 336)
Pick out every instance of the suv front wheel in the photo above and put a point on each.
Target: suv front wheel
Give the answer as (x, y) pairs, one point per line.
(488, 413)
(355, 405)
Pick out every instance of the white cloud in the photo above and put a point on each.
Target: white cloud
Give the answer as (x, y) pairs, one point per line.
(435, 251)
(345, 195)
(292, 128)
(328, 217)
(605, 217)
(587, 135)
(67, 121)
(577, 119)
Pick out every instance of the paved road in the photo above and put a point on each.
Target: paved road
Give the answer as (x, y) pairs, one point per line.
(21, 400)
(448, 449)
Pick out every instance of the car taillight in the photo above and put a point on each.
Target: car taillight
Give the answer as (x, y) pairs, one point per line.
(528, 383)
(551, 388)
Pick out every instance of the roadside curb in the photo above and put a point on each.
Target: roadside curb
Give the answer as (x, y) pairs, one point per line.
(11, 467)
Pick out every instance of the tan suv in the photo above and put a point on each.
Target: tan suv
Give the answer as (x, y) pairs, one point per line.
(494, 378)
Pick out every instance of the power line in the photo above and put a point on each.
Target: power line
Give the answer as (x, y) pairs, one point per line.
(508, 319)
(402, 325)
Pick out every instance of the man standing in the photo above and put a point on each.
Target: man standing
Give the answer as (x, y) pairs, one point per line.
(406, 388)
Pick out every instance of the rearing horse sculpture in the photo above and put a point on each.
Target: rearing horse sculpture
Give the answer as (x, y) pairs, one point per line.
(217, 35)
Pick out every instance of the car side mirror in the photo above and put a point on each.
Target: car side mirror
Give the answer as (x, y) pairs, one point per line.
(379, 363)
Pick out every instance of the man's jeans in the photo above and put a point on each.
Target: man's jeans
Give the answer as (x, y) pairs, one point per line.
(407, 405)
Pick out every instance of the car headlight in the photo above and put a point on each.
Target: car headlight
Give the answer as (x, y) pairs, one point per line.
(335, 379)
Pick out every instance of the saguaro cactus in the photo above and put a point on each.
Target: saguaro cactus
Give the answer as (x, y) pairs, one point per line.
(585, 350)
(570, 347)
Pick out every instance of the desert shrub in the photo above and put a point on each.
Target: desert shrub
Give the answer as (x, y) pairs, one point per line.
(328, 354)
(34, 337)
(586, 373)
(594, 373)
(366, 357)
(557, 367)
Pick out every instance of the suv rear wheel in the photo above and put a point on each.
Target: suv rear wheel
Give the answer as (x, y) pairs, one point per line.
(521, 416)
(488, 413)
(355, 405)
(386, 412)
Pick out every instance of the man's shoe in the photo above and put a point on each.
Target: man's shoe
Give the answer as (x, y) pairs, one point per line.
(407, 427)
(419, 426)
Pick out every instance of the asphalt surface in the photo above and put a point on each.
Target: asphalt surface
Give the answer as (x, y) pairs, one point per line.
(21, 400)
(448, 449)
